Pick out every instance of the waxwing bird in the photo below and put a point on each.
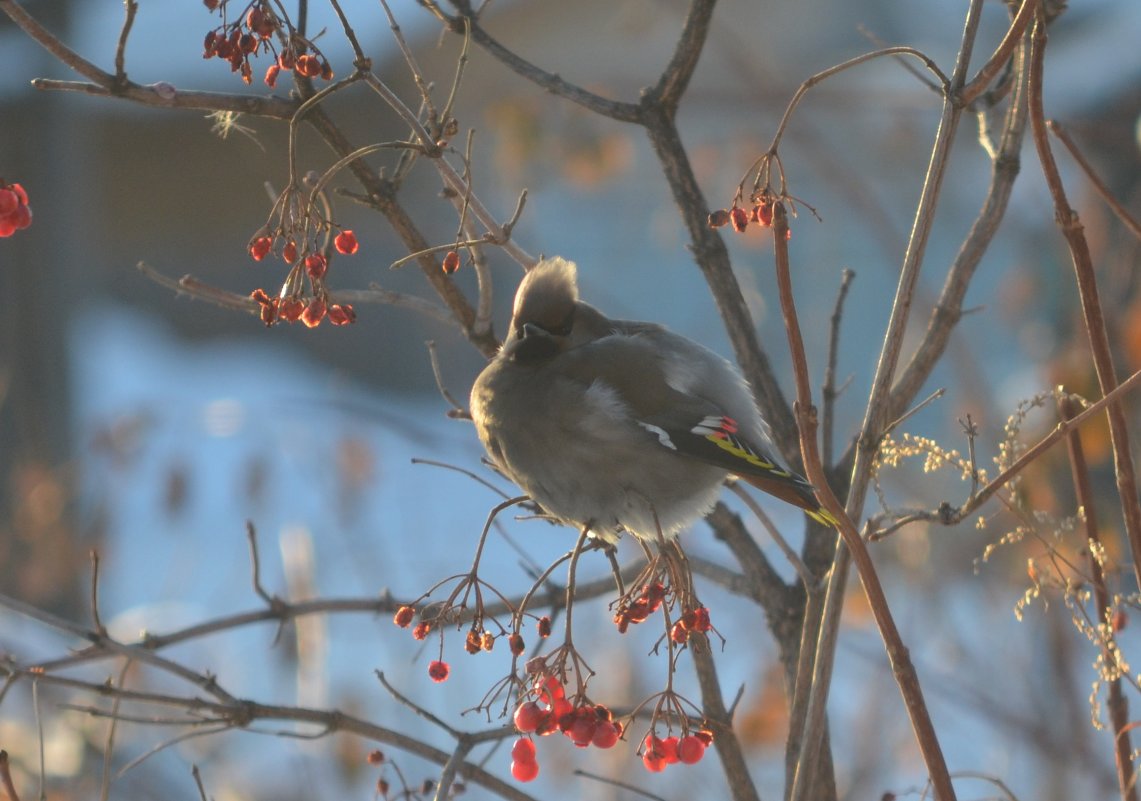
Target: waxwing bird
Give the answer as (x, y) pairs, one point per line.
(613, 425)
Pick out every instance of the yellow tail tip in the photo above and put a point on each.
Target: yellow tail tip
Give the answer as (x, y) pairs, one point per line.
(823, 517)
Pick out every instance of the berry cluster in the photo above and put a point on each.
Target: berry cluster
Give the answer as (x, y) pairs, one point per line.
(695, 620)
(640, 608)
(14, 212)
(438, 669)
(760, 214)
(290, 305)
(252, 34)
(584, 725)
(688, 750)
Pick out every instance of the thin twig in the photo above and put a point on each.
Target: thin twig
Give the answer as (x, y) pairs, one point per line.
(96, 621)
(456, 411)
(615, 783)
(197, 774)
(412, 705)
(824, 75)
(1099, 186)
(255, 565)
(914, 410)
(789, 554)
(131, 7)
(829, 391)
(998, 60)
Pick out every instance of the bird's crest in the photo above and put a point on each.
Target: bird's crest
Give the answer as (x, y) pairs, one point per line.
(547, 295)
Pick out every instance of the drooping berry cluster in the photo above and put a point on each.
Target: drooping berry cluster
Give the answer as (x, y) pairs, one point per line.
(640, 608)
(761, 213)
(294, 302)
(548, 711)
(692, 621)
(15, 215)
(658, 753)
(252, 34)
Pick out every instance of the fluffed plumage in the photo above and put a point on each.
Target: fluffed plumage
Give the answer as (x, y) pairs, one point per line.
(617, 425)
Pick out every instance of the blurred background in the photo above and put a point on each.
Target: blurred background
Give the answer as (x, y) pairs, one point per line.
(151, 427)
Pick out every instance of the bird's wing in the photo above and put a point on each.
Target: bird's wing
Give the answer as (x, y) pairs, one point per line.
(687, 423)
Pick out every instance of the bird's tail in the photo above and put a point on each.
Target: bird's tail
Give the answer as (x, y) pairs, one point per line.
(794, 492)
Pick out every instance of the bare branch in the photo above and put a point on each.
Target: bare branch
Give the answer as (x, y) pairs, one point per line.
(1095, 324)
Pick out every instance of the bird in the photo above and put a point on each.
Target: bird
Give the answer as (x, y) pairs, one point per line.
(616, 426)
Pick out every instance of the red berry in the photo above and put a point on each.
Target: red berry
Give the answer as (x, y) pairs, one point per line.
(21, 218)
(316, 265)
(346, 243)
(260, 247)
(8, 202)
(718, 218)
(403, 616)
(260, 23)
(20, 193)
(314, 313)
(544, 626)
(605, 735)
(523, 750)
(421, 630)
(290, 309)
(342, 314)
(739, 217)
(524, 771)
(438, 671)
(271, 74)
(582, 731)
(1119, 620)
(326, 71)
(764, 212)
(561, 708)
(653, 762)
(553, 688)
(653, 595)
(289, 252)
(690, 749)
(701, 620)
(308, 65)
(7, 226)
(678, 633)
(269, 312)
(668, 749)
(471, 642)
(528, 716)
(287, 60)
(451, 262)
(515, 642)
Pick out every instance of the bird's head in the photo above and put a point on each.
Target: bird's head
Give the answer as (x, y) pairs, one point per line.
(546, 306)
